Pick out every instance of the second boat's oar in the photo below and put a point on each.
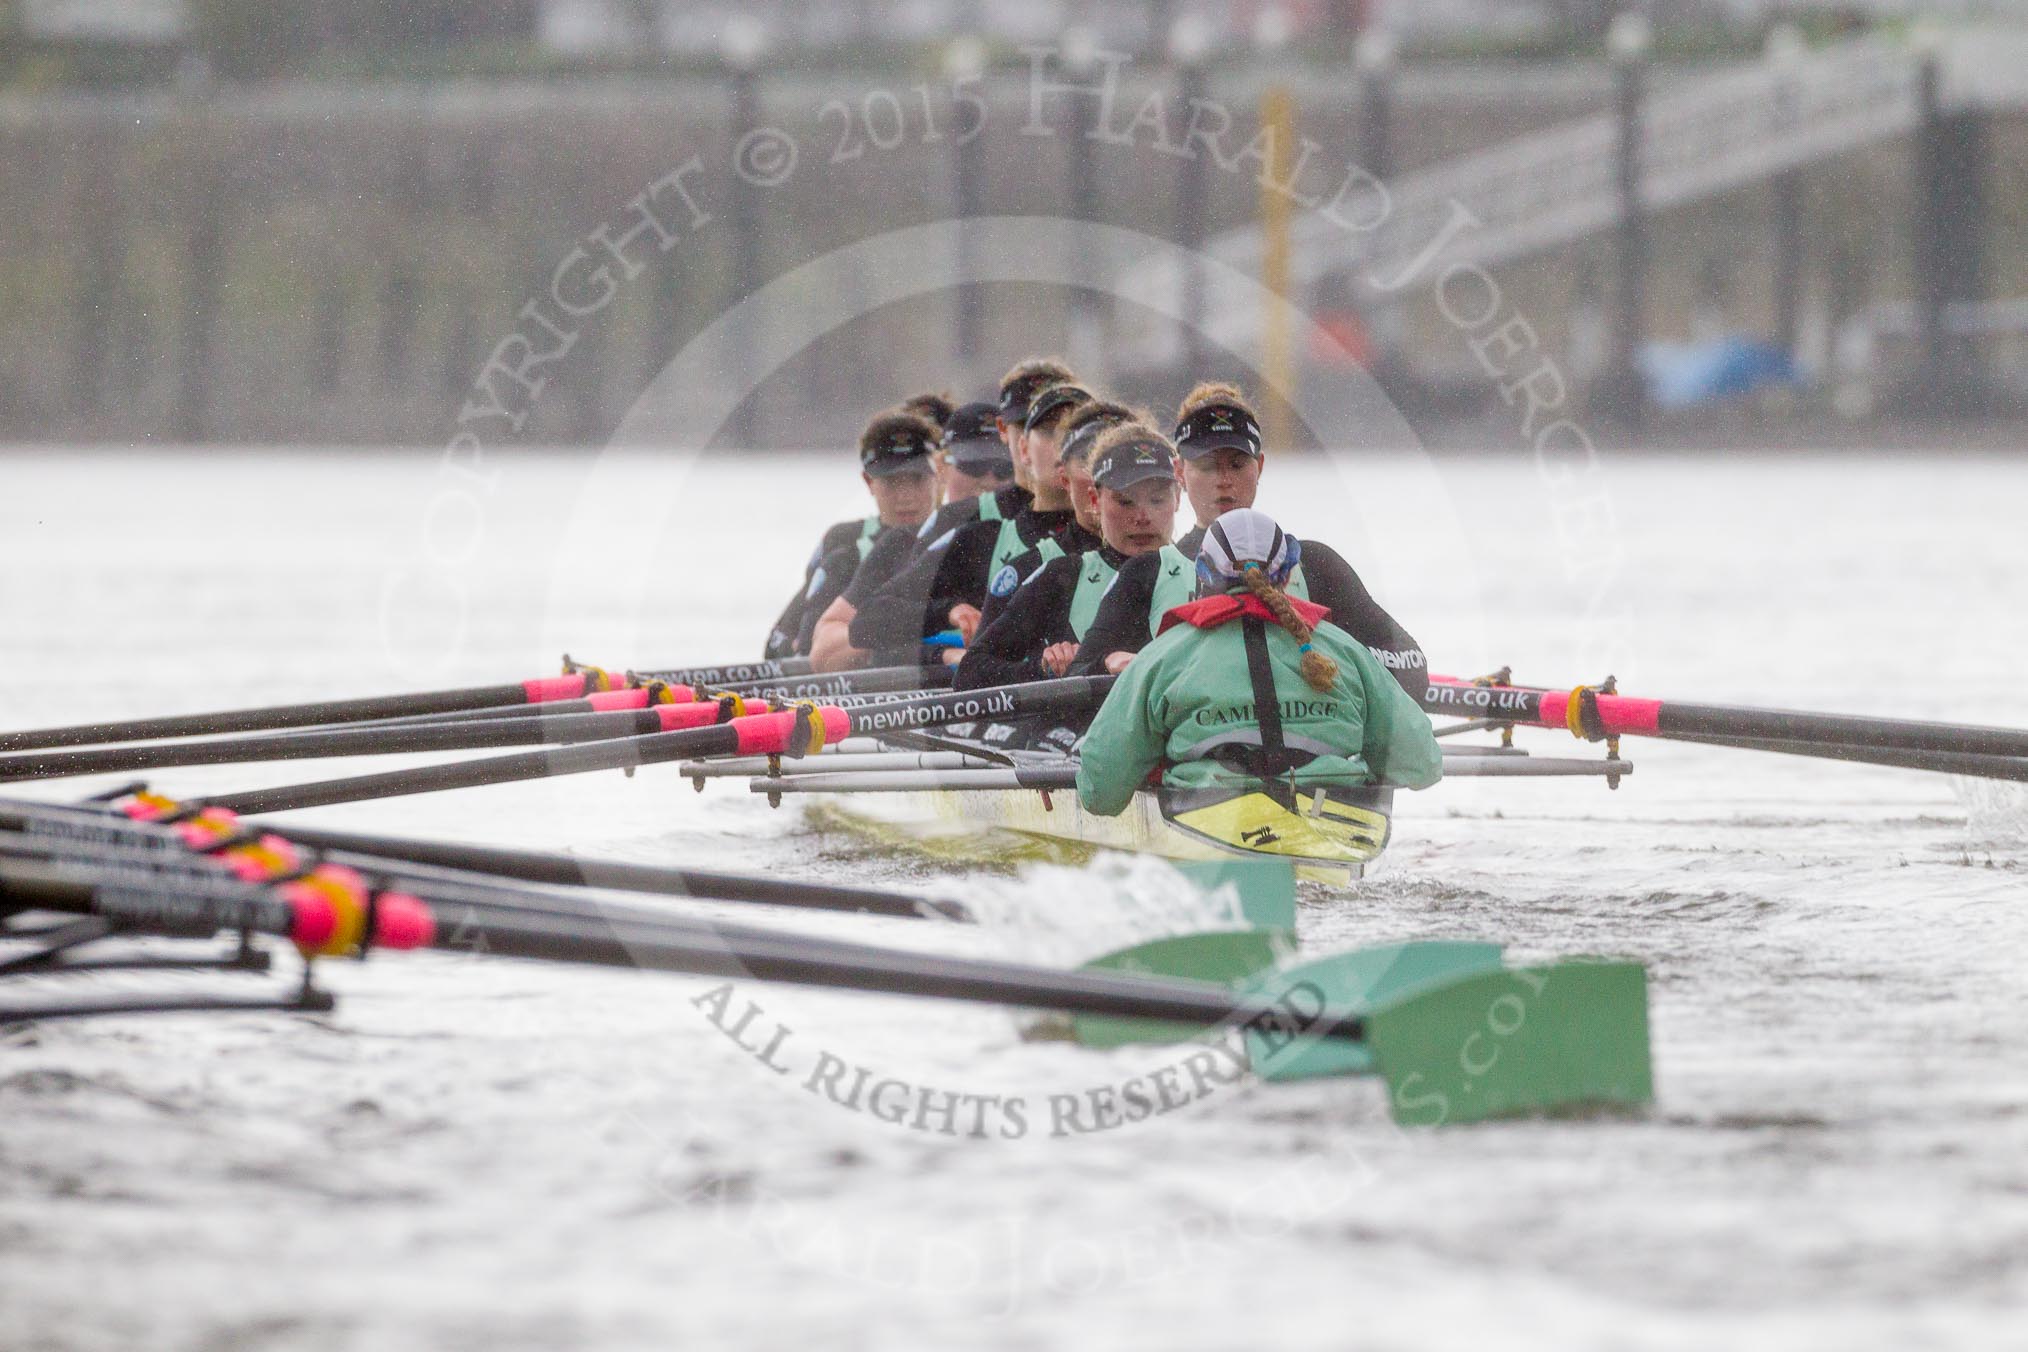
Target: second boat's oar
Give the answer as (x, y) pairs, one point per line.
(337, 915)
(792, 733)
(578, 871)
(253, 849)
(1477, 1041)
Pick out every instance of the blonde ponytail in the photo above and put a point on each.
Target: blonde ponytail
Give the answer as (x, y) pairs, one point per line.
(1320, 671)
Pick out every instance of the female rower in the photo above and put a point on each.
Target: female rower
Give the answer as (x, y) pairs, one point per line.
(1005, 419)
(975, 472)
(897, 465)
(1135, 496)
(1219, 442)
(1250, 687)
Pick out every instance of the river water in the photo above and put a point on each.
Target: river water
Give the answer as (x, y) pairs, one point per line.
(503, 1156)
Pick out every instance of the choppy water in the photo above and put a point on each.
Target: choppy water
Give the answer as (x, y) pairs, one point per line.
(490, 1155)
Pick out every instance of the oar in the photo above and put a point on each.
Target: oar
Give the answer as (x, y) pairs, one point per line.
(877, 682)
(848, 777)
(373, 740)
(792, 733)
(307, 715)
(773, 669)
(747, 767)
(320, 923)
(1594, 715)
(217, 833)
(577, 870)
(1941, 762)
(480, 875)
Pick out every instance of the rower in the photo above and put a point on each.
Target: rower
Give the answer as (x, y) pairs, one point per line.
(891, 548)
(1076, 435)
(1044, 434)
(1251, 687)
(939, 596)
(1135, 496)
(1080, 433)
(975, 464)
(934, 405)
(1009, 418)
(1219, 442)
(897, 466)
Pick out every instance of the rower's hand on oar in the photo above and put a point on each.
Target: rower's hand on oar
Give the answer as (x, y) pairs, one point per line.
(1117, 662)
(965, 619)
(1056, 658)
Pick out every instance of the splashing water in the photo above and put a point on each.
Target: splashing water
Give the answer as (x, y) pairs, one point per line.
(1996, 811)
(1063, 916)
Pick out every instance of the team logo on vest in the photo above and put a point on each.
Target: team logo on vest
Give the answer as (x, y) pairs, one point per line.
(1005, 581)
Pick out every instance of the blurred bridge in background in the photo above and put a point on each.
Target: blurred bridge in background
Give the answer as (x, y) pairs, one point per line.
(1693, 140)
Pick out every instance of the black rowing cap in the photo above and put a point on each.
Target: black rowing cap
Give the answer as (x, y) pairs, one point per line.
(899, 450)
(1132, 461)
(972, 441)
(1218, 427)
(1050, 400)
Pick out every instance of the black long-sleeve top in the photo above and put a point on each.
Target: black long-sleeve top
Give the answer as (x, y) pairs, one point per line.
(838, 548)
(1008, 647)
(1074, 541)
(1122, 621)
(949, 571)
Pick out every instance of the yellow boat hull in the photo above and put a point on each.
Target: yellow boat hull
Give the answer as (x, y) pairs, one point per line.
(1330, 836)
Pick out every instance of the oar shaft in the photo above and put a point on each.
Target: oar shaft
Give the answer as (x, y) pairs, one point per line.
(1621, 715)
(886, 684)
(578, 871)
(296, 715)
(374, 740)
(89, 832)
(1940, 762)
(186, 905)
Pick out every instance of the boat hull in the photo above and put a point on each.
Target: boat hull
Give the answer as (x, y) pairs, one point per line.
(1329, 837)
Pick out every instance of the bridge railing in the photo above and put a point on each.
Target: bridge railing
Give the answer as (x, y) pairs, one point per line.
(1700, 137)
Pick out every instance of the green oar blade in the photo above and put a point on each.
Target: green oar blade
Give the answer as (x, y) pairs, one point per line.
(1365, 978)
(1266, 887)
(1228, 957)
(1563, 1037)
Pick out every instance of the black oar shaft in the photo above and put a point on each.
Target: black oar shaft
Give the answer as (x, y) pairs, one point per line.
(879, 685)
(576, 870)
(1622, 715)
(375, 740)
(501, 928)
(278, 716)
(77, 831)
(1941, 762)
(582, 758)
(799, 960)
(1891, 734)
